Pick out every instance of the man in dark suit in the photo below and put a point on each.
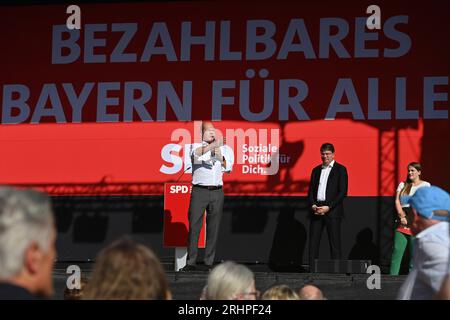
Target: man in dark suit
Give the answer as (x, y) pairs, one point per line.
(327, 190)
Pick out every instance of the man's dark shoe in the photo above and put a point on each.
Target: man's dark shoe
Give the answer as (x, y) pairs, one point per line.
(188, 267)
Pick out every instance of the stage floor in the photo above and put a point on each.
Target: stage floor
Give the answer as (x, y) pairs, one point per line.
(188, 286)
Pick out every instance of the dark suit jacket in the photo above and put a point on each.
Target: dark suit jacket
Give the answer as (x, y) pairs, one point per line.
(336, 191)
(10, 291)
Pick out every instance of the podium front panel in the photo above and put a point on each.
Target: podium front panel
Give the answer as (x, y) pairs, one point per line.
(176, 223)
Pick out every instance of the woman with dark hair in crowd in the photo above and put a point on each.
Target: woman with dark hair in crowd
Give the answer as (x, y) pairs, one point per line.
(126, 270)
(403, 236)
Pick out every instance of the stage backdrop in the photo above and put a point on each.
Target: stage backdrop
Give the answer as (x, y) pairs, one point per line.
(112, 107)
(114, 103)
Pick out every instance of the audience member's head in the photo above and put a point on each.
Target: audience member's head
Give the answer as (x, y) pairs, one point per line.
(231, 281)
(27, 241)
(430, 205)
(310, 292)
(280, 292)
(75, 294)
(126, 270)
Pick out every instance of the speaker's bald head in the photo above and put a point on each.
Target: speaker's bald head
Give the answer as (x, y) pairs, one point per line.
(207, 125)
(208, 131)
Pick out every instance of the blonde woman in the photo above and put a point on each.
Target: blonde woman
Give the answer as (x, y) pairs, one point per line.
(126, 270)
(403, 236)
(280, 292)
(231, 281)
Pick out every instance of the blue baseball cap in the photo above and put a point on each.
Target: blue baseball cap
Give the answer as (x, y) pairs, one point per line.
(427, 200)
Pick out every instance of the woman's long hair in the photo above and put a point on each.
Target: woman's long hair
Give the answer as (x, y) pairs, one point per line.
(127, 270)
(408, 183)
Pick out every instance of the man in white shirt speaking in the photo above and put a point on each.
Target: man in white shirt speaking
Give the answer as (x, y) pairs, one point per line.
(209, 160)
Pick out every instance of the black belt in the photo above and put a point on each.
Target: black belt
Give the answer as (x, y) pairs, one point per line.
(321, 203)
(208, 187)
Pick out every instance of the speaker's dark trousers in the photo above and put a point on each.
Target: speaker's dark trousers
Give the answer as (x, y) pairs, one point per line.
(212, 201)
(316, 226)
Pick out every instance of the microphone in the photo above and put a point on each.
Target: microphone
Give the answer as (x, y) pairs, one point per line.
(224, 142)
(213, 151)
(182, 174)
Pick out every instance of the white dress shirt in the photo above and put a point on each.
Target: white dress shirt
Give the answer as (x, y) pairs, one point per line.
(431, 258)
(413, 189)
(207, 170)
(324, 174)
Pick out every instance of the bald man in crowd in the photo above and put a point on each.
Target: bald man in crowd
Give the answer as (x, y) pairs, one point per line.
(310, 292)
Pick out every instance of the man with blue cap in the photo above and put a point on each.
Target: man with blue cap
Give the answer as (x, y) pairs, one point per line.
(431, 208)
